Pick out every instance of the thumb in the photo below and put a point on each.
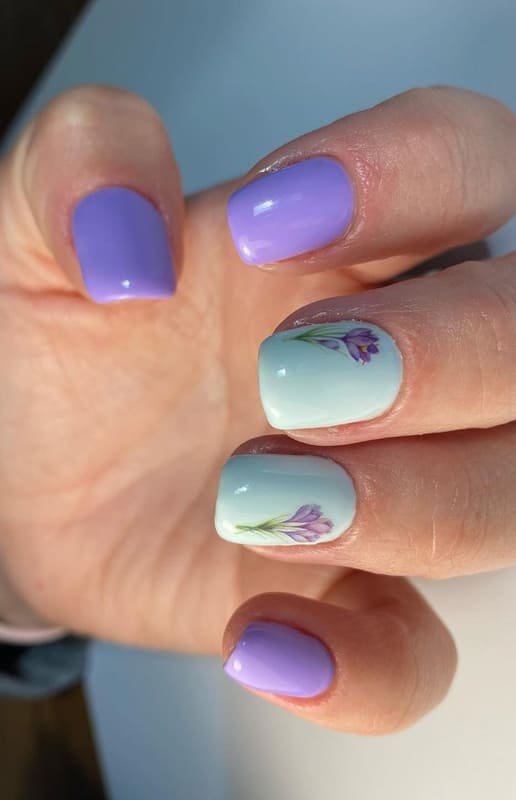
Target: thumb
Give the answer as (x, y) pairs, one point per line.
(91, 193)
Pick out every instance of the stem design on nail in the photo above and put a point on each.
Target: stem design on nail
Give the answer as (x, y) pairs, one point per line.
(359, 343)
(306, 525)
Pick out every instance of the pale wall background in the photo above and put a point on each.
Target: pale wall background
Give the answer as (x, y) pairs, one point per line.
(233, 80)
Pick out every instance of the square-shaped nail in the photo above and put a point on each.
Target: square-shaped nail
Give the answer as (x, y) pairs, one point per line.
(294, 210)
(281, 500)
(277, 658)
(122, 246)
(328, 374)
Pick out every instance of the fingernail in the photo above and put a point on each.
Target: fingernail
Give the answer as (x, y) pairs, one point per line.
(329, 374)
(283, 500)
(276, 658)
(122, 246)
(299, 208)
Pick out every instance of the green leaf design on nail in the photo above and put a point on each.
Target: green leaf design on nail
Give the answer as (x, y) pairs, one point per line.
(307, 524)
(359, 343)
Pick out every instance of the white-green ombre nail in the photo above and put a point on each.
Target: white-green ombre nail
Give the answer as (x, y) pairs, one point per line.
(316, 376)
(283, 500)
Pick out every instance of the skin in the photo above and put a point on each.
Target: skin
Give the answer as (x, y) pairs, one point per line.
(115, 419)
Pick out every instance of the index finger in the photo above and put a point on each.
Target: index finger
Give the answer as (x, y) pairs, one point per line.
(422, 172)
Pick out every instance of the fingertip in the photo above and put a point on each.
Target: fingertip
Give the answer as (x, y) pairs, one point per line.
(97, 174)
(370, 657)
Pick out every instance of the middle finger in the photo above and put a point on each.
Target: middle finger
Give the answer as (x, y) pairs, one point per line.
(423, 356)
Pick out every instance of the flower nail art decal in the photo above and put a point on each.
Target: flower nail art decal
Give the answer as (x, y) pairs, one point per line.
(306, 525)
(327, 374)
(262, 500)
(359, 343)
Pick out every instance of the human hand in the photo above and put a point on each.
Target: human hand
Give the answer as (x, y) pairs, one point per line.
(116, 417)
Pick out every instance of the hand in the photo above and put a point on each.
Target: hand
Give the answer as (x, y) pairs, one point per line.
(116, 417)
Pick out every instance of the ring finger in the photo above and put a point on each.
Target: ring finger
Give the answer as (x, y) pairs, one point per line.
(433, 506)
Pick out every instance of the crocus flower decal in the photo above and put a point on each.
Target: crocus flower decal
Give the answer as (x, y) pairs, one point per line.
(359, 343)
(306, 525)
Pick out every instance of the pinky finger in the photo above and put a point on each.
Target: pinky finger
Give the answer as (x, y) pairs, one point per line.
(371, 657)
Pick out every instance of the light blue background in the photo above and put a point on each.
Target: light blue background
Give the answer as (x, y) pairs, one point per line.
(234, 79)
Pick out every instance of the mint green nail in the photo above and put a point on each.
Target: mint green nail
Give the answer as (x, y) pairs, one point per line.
(283, 500)
(316, 376)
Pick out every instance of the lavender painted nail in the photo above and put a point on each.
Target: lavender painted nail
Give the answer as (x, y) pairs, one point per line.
(122, 246)
(294, 210)
(276, 658)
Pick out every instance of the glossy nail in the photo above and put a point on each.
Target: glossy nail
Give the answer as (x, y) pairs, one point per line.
(296, 209)
(122, 246)
(276, 658)
(329, 374)
(283, 500)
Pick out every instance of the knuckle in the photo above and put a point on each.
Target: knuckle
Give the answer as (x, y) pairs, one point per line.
(77, 107)
(398, 708)
(84, 108)
(422, 95)
(425, 102)
(485, 293)
(441, 145)
(419, 666)
(443, 133)
(460, 518)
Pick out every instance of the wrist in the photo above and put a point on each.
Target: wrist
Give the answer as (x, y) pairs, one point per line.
(20, 624)
(14, 634)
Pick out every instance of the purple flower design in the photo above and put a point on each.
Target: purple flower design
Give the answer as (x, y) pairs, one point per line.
(306, 525)
(360, 343)
(309, 524)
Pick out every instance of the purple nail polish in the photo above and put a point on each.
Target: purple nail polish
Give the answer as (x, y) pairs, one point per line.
(122, 246)
(294, 210)
(282, 660)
